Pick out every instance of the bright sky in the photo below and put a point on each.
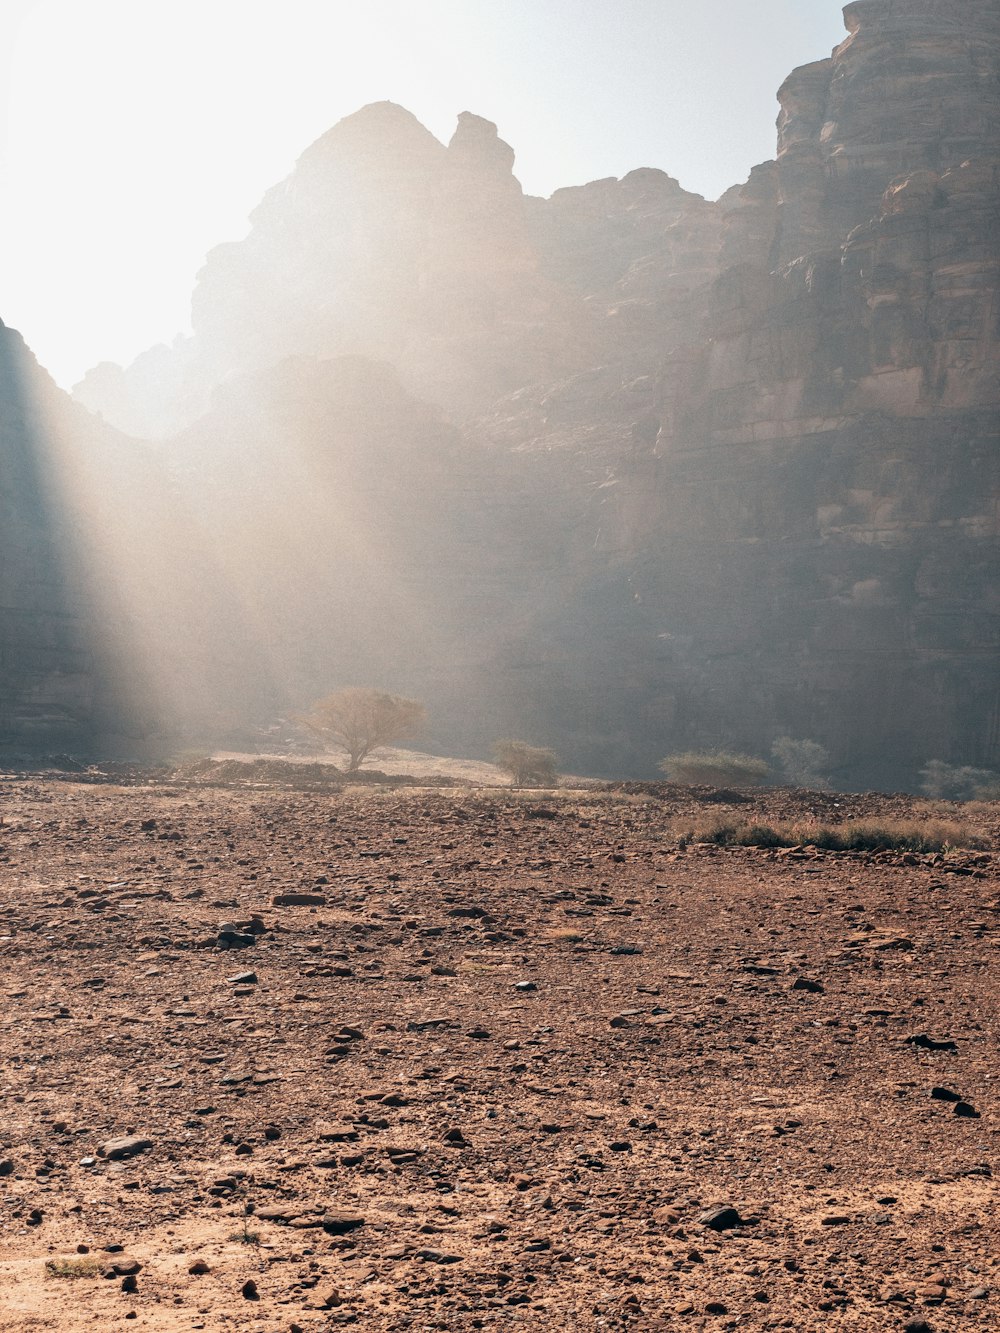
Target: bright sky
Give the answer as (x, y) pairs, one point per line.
(137, 134)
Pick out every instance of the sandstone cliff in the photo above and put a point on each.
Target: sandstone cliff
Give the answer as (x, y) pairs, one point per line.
(624, 468)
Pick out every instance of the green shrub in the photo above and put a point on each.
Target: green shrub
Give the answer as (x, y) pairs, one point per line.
(715, 768)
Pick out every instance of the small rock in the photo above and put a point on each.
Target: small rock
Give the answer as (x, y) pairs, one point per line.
(925, 1043)
(299, 900)
(130, 1284)
(804, 983)
(116, 1150)
(966, 1110)
(243, 979)
(331, 1133)
(249, 1290)
(438, 1257)
(720, 1219)
(126, 1266)
(945, 1095)
(917, 1326)
(6, 1167)
(525, 986)
(338, 1224)
(198, 1267)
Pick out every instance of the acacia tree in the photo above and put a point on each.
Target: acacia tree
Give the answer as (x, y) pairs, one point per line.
(528, 765)
(360, 719)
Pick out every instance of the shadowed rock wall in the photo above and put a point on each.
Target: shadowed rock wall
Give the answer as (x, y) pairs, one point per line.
(624, 470)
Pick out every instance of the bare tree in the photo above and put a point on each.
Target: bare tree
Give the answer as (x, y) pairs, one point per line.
(361, 719)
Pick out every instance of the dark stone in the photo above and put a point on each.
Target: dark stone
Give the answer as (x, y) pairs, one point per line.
(720, 1219)
(339, 1224)
(925, 1043)
(945, 1095)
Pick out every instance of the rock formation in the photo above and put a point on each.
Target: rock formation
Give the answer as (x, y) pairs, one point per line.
(46, 678)
(624, 469)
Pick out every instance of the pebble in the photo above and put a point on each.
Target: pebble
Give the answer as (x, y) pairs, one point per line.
(249, 1290)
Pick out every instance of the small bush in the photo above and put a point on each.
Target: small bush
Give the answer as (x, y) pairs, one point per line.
(528, 765)
(802, 763)
(853, 836)
(715, 768)
(85, 1266)
(953, 782)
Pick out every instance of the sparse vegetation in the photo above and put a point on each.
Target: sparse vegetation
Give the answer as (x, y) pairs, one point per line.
(528, 765)
(86, 1265)
(715, 768)
(802, 763)
(852, 836)
(954, 782)
(360, 719)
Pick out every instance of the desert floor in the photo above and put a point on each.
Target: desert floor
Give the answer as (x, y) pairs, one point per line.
(502, 1072)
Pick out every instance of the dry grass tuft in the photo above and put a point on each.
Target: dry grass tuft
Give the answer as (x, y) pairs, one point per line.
(853, 836)
(84, 1266)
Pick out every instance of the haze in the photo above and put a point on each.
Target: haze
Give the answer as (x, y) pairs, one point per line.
(135, 137)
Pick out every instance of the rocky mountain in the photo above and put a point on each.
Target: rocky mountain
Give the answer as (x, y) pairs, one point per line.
(623, 470)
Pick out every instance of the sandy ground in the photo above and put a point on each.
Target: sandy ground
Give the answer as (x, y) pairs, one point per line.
(497, 1074)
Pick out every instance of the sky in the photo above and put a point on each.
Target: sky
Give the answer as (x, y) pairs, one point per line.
(137, 134)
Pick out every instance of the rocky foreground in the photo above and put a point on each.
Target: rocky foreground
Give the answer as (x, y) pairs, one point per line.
(475, 1059)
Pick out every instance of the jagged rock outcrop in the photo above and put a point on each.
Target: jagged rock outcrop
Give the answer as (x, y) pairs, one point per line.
(680, 472)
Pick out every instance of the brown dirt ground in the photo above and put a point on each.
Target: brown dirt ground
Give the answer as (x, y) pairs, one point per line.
(661, 1064)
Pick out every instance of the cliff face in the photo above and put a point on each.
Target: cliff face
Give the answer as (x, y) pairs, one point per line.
(45, 668)
(679, 472)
